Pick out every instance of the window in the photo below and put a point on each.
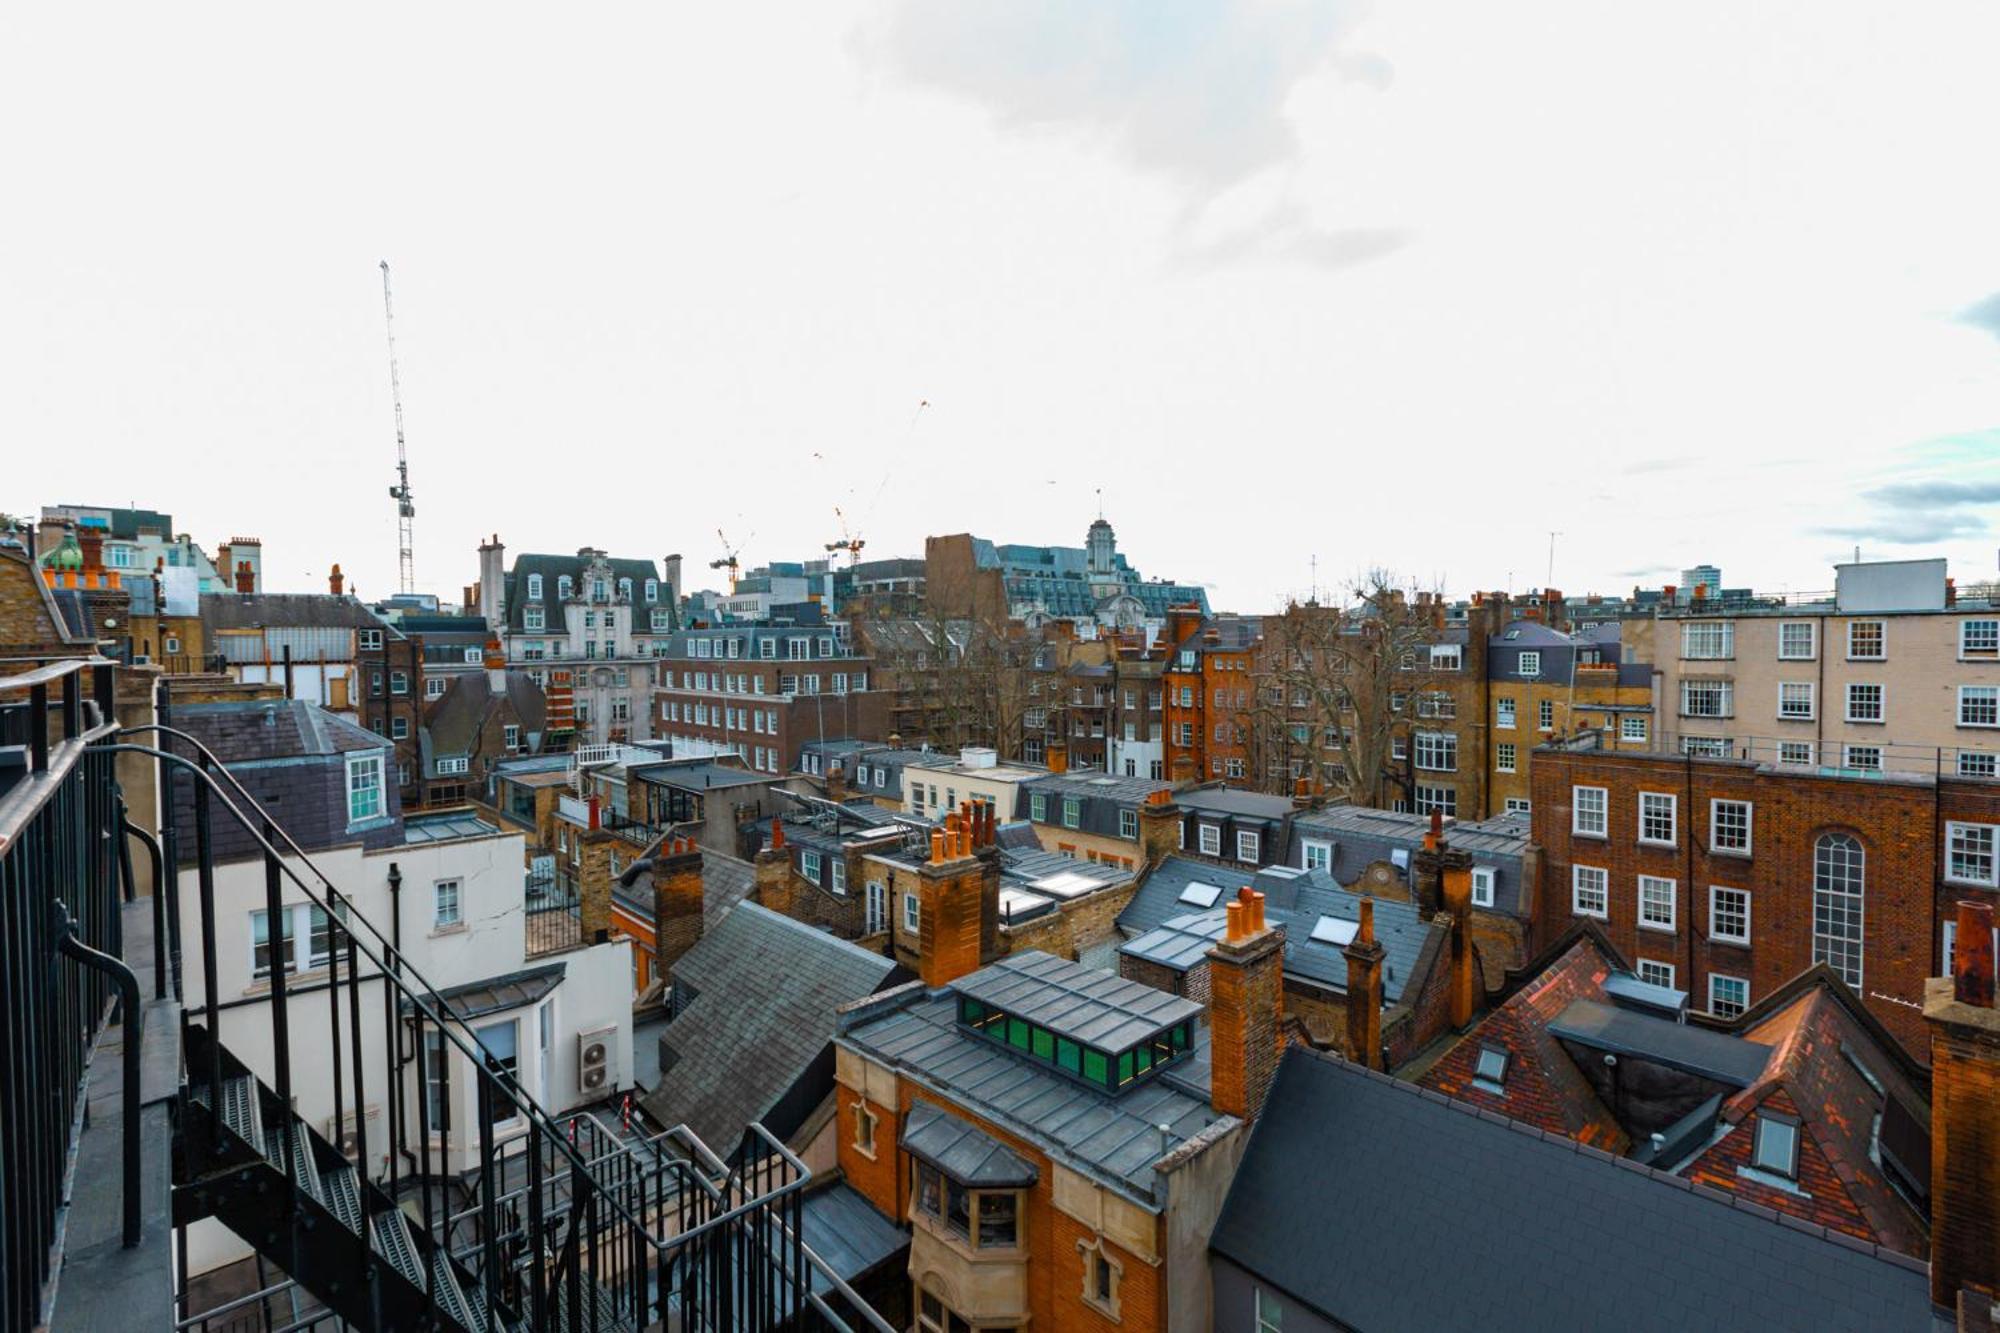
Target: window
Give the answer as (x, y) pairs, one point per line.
(1728, 914)
(1545, 714)
(1446, 657)
(1232, 768)
(1589, 891)
(1443, 800)
(534, 587)
(1318, 855)
(1483, 879)
(1729, 827)
(1210, 840)
(446, 908)
(434, 687)
(534, 618)
(1867, 758)
(1727, 996)
(451, 767)
(1969, 855)
(1795, 700)
(562, 587)
(1520, 804)
(1072, 812)
(865, 1121)
(1979, 640)
(436, 1073)
(1433, 703)
(1864, 641)
(1632, 728)
(171, 644)
(1978, 764)
(1437, 751)
(809, 865)
(1399, 747)
(1503, 757)
(399, 682)
(911, 917)
(1531, 663)
(511, 735)
(1656, 974)
(1864, 703)
(1707, 698)
(399, 728)
(1708, 640)
(1503, 713)
(1776, 1145)
(1247, 845)
(1795, 752)
(1038, 807)
(1839, 872)
(1797, 640)
(877, 918)
(1588, 806)
(1656, 817)
(364, 787)
(1100, 1277)
(371, 640)
(1128, 825)
(1979, 705)
(1656, 902)
(1489, 1074)
(839, 873)
(1270, 1314)
(502, 1044)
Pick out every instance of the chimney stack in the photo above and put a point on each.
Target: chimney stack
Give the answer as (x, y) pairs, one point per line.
(1364, 991)
(958, 903)
(1458, 904)
(673, 571)
(1302, 795)
(1429, 865)
(1057, 756)
(494, 658)
(771, 872)
(336, 582)
(1965, 1116)
(493, 582)
(677, 903)
(246, 581)
(1159, 827)
(1246, 972)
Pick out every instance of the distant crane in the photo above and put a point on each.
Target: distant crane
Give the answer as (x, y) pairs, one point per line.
(400, 492)
(728, 561)
(848, 542)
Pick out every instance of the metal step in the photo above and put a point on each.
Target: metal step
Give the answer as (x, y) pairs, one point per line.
(450, 1296)
(240, 1112)
(342, 1193)
(302, 1160)
(609, 1318)
(393, 1242)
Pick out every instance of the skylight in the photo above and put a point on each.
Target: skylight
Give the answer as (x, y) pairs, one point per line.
(1491, 1072)
(1777, 1145)
(1332, 930)
(1066, 884)
(1200, 895)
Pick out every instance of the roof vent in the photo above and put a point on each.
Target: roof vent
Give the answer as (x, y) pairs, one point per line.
(978, 756)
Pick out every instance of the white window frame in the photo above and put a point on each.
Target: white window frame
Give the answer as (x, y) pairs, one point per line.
(1661, 974)
(1739, 1006)
(809, 865)
(1881, 697)
(1520, 805)
(1248, 845)
(1722, 634)
(1437, 751)
(1724, 694)
(912, 913)
(1786, 712)
(1504, 757)
(1716, 932)
(359, 766)
(1651, 799)
(1128, 825)
(1715, 822)
(1530, 663)
(1599, 826)
(1850, 754)
(1978, 764)
(1651, 915)
(1483, 880)
(1447, 657)
(451, 892)
(1984, 691)
(1505, 713)
(1632, 729)
(1599, 880)
(1316, 854)
(1991, 654)
(1953, 830)
(1812, 640)
(1881, 641)
(1789, 753)
(875, 909)
(838, 871)
(1545, 715)
(1209, 839)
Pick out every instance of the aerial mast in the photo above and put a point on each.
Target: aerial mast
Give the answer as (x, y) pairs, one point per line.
(400, 492)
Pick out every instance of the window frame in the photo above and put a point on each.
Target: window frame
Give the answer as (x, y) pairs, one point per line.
(1716, 911)
(1577, 827)
(1715, 823)
(1986, 691)
(456, 885)
(1649, 918)
(1952, 829)
(1484, 881)
(1825, 943)
(1671, 980)
(1881, 653)
(1811, 628)
(1602, 892)
(357, 762)
(1740, 1007)
(1253, 841)
(1203, 835)
(1626, 730)
(1881, 703)
(1672, 838)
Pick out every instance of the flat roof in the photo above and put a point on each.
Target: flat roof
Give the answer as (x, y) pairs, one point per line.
(1090, 1007)
(1716, 1055)
(444, 827)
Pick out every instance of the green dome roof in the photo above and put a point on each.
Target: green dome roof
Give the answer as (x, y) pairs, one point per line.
(67, 556)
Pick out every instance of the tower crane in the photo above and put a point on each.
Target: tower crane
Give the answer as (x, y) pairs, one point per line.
(406, 511)
(849, 542)
(728, 561)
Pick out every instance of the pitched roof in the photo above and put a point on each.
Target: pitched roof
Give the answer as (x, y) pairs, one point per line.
(553, 567)
(250, 730)
(454, 722)
(962, 1150)
(765, 991)
(289, 610)
(1350, 1163)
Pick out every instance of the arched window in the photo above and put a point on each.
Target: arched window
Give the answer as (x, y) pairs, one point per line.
(1839, 871)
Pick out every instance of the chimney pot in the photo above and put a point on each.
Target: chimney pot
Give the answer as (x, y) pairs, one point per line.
(1972, 955)
(777, 834)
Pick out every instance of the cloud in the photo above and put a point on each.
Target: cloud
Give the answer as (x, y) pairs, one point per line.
(1983, 315)
(1288, 233)
(1657, 465)
(1935, 494)
(1913, 529)
(1648, 571)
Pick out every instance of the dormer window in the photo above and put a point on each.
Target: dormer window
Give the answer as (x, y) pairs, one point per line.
(1776, 1146)
(563, 586)
(534, 587)
(1490, 1073)
(652, 590)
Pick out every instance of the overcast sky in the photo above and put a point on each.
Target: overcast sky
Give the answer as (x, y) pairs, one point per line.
(1401, 284)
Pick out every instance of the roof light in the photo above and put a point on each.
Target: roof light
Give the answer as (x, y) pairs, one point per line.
(1490, 1074)
(1332, 930)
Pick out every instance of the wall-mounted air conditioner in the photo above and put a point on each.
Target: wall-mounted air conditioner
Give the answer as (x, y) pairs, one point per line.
(596, 1071)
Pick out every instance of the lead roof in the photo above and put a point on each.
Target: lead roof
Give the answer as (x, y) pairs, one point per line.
(962, 1150)
(1089, 1007)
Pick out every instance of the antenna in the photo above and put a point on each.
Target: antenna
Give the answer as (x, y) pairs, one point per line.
(400, 492)
(1547, 582)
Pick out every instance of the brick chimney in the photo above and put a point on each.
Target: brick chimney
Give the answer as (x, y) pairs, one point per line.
(336, 582)
(771, 872)
(958, 900)
(1246, 979)
(246, 578)
(1458, 904)
(1159, 827)
(1965, 1114)
(1428, 865)
(1302, 793)
(677, 903)
(493, 582)
(494, 659)
(1057, 756)
(1364, 991)
(1184, 770)
(836, 780)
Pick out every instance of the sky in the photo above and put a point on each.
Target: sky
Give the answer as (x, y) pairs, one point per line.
(1290, 286)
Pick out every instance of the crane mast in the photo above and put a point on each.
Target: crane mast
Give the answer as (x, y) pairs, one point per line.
(400, 492)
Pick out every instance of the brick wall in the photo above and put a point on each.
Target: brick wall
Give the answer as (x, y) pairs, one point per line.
(1074, 926)
(24, 613)
(1965, 1143)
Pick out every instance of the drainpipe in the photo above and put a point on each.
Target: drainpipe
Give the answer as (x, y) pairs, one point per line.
(400, 1060)
(133, 1022)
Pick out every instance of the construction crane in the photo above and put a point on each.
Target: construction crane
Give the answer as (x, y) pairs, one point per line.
(848, 541)
(728, 561)
(400, 492)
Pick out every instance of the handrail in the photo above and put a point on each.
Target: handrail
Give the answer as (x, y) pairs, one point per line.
(49, 673)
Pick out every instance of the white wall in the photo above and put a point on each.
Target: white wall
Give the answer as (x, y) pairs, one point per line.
(596, 990)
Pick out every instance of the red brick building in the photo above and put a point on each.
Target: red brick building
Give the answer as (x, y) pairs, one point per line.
(1727, 877)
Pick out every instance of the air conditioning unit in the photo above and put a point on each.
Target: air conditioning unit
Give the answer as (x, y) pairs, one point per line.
(596, 1075)
(342, 1132)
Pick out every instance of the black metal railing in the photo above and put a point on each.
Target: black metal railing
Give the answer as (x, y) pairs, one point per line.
(552, 915)
(59, 890)
(525, 1226)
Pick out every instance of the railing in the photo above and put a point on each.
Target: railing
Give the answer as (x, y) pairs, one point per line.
(59, 871)
(553, 915)
(539, 1223)
(1861, 759)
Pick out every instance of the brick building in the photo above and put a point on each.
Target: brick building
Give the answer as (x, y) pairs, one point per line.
(763, 691)
(1726, 877)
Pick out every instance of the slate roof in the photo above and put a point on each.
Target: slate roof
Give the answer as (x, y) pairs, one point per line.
(962, 1150)
(1658, 1040)
(765, 991)
(1234, 803)
(1351, 1177)
(1090, 1007)
(1100, 786)
(453, 723)
(553, 567)
(492, 995)
(1362, 836)
(1112, 1138)
(289, 610)
(250, 730)
(725, 882)
(849, 1234)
